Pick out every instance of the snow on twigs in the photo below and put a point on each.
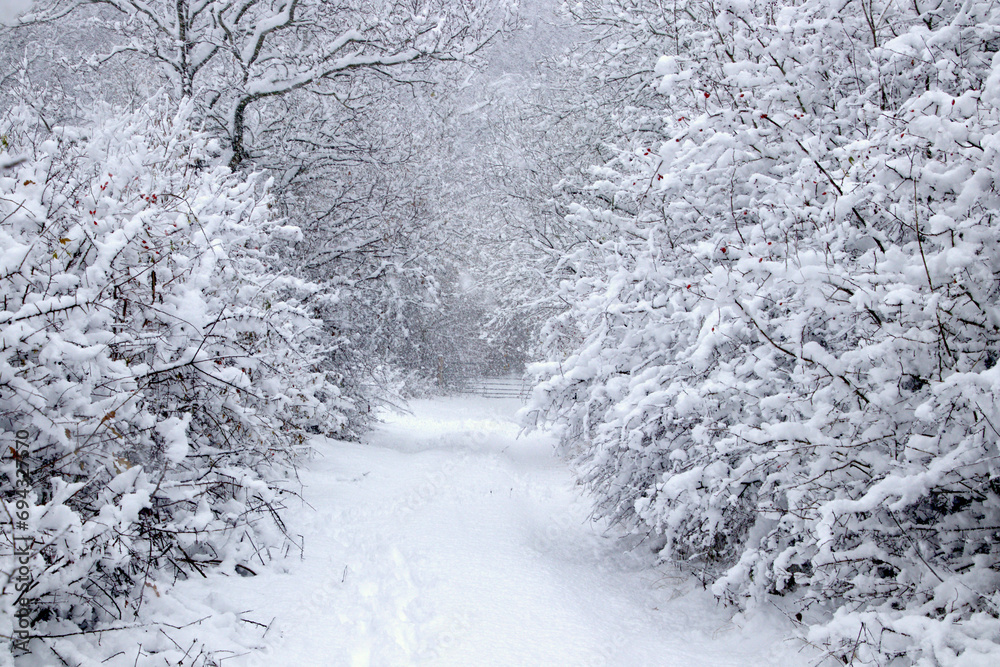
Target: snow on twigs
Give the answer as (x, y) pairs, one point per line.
(161, 383)
(780, 358)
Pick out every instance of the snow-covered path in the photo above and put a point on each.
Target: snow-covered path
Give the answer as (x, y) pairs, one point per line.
(445, 540)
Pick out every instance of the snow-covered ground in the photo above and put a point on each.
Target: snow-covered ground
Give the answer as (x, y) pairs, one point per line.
(446, 540)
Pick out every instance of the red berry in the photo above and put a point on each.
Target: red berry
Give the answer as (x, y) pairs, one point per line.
(722, 250)
(706, 95)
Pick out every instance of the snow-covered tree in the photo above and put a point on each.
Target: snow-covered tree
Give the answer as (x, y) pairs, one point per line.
(166, 372)
(781, 361)
(235, 57)
(357, 166)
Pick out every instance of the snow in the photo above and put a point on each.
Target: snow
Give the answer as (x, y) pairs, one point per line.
(174, 433)
(11, 9)
(445, 539)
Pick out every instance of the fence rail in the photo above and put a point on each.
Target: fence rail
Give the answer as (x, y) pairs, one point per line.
(497, 387)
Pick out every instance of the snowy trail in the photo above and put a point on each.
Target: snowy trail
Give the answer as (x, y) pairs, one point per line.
(445, 540)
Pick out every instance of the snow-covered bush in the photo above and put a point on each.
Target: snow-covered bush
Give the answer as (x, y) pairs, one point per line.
(783, 360)
(163, 371)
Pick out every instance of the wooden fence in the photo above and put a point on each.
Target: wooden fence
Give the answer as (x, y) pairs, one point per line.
(496, 387)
